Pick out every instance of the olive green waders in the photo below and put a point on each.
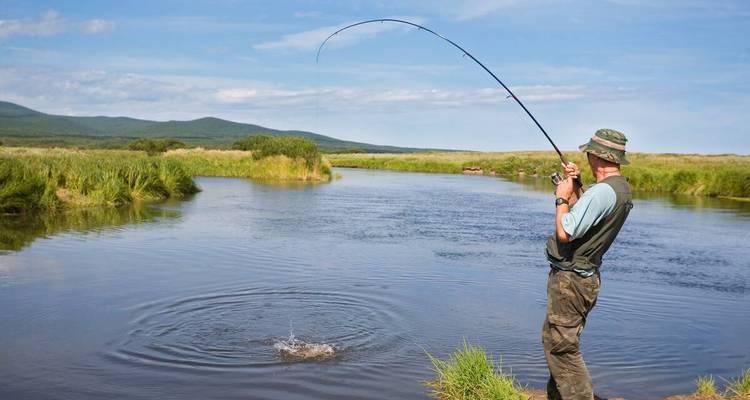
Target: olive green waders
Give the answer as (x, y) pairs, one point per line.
(570, 297)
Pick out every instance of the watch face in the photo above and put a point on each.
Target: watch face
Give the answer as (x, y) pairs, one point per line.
(560, 200)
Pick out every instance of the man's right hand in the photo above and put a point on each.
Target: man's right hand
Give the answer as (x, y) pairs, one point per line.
(571, 170)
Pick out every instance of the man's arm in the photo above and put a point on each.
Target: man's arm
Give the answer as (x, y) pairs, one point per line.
(594, 205)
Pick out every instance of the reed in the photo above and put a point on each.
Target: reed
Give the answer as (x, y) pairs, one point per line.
(36, 179)
(469, 374)
(701, 175)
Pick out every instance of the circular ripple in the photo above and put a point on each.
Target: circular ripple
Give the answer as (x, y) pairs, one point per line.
(238, 329)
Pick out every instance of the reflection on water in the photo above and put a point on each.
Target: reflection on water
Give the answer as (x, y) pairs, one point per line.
(18, 231)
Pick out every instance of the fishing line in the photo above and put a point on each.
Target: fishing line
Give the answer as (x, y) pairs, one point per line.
(464, 54)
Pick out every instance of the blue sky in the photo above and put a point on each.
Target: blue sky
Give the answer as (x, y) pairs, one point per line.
(674, 75)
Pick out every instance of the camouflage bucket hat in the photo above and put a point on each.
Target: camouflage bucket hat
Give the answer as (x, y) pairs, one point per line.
(608, 144)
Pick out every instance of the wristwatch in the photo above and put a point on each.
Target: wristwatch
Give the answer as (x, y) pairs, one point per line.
(560, 200)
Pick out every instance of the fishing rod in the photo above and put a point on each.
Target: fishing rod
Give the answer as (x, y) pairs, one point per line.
(555, 176)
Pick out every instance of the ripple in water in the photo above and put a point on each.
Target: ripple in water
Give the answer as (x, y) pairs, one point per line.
(240, 329)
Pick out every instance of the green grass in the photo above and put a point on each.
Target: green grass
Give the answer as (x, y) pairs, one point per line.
(52, 179)
(700, 175)
(705, 386)
(739, 387)
(470, 374)
(235, 163)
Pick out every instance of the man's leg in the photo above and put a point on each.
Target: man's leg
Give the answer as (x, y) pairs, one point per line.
(569, 299)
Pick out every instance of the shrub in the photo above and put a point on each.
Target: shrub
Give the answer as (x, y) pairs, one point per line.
(290, 146)
(155, 146)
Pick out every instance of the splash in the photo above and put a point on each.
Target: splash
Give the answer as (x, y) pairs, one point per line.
(296, 349)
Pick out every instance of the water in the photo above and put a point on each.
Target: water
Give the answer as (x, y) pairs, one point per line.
(187, 300)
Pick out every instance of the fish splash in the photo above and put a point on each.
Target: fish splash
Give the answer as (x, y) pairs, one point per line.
(296, 349)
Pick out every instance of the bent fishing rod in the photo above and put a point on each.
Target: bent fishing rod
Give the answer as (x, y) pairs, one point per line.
(467, 54)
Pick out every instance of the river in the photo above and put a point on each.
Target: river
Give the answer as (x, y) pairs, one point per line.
(185, 300)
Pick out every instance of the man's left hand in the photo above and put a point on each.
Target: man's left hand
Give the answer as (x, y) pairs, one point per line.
(565, 189)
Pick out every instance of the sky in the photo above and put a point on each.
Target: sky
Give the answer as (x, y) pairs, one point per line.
(673, 75)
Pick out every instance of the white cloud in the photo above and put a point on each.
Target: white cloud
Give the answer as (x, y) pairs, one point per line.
(50, 23)
(311, 39)
(98, 25)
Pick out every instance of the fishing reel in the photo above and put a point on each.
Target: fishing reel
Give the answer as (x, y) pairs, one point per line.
(556, 178)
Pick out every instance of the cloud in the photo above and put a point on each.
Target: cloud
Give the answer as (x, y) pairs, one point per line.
(50, 23)
(310, 40)
(470, 9)
(98, 25)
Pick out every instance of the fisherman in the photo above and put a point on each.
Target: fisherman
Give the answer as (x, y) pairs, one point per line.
(585, 227)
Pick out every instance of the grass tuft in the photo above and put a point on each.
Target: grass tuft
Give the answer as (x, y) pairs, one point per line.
(470, 374)
(740, 387)
(705, 386)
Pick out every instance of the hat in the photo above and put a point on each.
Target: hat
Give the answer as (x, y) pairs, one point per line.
(608, 144)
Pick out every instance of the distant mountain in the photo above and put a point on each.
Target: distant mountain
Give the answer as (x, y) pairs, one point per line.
(21, 123)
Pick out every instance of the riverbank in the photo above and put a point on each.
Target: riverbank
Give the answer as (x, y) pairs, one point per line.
(470, 374)
(700, 175)
(51, 179)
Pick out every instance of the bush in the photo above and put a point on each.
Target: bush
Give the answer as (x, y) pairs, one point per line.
(290, 146)
(155, 146)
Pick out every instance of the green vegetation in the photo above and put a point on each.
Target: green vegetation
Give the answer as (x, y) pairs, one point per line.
(155, 146)
(739, 387)
(470, 374)
(705, 386)
(290, 146)
(236, 163)
(703, 175)
(53, 179)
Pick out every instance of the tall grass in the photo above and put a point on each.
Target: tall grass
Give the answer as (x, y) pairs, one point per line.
(52, 179)
(470, 374)
(293, 147)
(714, 176)
(236, 163)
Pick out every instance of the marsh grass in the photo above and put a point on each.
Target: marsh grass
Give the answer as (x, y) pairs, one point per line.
(239, 163)
(36, 179)
(469, 374)
(701, 175)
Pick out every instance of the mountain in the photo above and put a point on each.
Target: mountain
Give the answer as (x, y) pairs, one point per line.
(19, 124)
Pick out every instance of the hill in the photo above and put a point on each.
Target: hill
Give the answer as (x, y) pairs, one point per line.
(22, 125)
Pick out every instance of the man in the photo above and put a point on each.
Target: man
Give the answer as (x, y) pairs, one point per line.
(585, 227)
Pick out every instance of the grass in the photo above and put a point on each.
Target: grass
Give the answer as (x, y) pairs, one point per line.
(700, 175)
(237, 163)
(739, 387)
(53, 179)
(705, 386)
(470, 374)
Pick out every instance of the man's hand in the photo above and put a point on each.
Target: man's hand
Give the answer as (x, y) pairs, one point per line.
(565, 189)
(571, 170)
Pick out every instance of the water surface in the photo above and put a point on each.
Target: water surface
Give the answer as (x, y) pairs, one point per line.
(186, 300)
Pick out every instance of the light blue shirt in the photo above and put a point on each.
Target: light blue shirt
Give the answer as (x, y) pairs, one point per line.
(594, 205)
